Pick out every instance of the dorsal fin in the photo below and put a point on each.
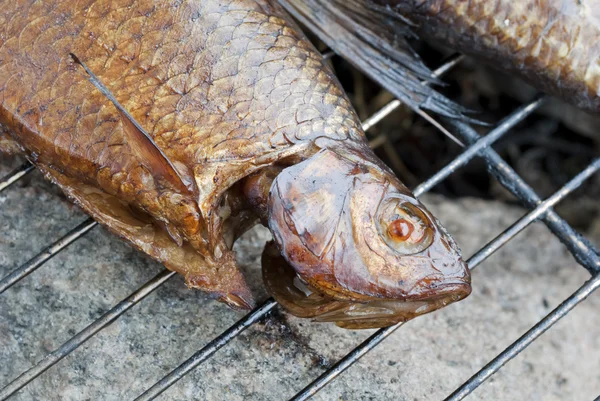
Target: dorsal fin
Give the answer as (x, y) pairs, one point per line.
(141, 143)
(374, 41)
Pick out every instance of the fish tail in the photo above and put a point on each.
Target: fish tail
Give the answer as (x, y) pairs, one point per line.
(374, 41)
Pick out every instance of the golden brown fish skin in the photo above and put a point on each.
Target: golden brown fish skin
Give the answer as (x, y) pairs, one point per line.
(224, 88)
(552, 44)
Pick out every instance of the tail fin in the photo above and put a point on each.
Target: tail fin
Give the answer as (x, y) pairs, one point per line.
(374, 40)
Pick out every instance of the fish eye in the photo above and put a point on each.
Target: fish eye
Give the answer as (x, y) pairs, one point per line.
(400, 229)
(404, 227)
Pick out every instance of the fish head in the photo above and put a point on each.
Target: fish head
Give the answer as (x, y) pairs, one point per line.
(353, 246)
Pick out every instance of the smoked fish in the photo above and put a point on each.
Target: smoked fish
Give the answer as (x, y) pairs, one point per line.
(552, 44)
(178, 125)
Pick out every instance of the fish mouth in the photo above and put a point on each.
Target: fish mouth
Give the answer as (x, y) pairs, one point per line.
(378, 313)
(303, 300)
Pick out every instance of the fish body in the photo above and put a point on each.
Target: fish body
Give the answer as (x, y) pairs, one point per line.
(171, 122)
(552, 44)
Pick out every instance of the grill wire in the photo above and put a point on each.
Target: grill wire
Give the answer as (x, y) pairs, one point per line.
(477, 146)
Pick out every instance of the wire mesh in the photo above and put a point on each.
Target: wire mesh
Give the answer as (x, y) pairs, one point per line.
(477, 146)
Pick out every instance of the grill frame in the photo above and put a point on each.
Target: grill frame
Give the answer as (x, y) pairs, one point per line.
(583, 251)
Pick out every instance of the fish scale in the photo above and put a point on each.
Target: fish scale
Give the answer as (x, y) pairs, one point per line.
(178, 116)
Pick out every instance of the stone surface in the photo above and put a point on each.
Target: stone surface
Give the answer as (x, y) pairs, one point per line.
(424, 360)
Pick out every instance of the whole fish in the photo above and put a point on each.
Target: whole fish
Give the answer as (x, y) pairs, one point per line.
(179, 125)
(552, 44)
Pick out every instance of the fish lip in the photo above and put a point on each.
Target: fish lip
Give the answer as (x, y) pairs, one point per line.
(459, 287)
(391, 310)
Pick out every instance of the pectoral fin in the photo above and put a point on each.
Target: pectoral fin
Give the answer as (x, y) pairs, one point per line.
(141, 143)
(375, 42)
(149, 154)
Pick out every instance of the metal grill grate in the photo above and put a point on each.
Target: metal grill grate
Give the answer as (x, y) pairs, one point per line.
(477, 146)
